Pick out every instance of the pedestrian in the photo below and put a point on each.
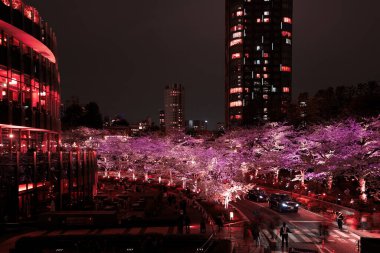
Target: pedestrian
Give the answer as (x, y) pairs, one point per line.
(203, 225)
(187, 224)
(256, 233)
(284, 231)
(339, 220)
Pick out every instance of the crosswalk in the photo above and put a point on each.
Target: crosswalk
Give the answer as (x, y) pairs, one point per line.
(306, 235)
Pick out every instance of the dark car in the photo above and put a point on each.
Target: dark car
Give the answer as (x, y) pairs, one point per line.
(257, 195)
(282, 203)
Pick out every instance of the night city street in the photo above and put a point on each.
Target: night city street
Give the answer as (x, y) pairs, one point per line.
(191, 126)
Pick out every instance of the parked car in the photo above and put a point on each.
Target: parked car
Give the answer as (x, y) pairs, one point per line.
(257, 195)
(283, 203)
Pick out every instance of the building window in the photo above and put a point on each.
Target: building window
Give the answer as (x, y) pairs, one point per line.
(288, 41)
(235, 56)
(239, 13)
(286, 34)
(287, 20)
(236, 42)
(237, 35)
(236, 103)
(236, 90)
(285, 89)
(286, 69)
(238, 27)
(266, 20)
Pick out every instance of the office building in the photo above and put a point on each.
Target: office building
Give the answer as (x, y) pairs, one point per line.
(258, 61)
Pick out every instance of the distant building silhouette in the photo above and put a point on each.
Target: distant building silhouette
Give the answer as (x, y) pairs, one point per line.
(174, 108)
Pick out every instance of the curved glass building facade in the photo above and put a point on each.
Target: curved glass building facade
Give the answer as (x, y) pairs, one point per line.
(29, 81)
(36, 176)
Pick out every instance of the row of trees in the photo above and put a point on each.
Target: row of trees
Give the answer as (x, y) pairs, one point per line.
(361, 100)
(224, 167)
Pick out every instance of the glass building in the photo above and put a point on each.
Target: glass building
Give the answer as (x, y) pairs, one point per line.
(35, 175)
(258, 61)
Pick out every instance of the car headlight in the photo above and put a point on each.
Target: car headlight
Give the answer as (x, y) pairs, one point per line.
(284, 205)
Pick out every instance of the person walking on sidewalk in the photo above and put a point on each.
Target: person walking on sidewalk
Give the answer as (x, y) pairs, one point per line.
(339, 220)
(284, 231)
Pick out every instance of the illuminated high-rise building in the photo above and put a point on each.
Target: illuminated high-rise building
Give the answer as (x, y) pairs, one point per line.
(258, 61)
(174, 108)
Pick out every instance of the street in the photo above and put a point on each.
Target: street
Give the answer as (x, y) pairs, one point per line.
(304, 227)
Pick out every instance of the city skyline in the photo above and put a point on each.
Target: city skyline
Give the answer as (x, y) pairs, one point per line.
(163, 52)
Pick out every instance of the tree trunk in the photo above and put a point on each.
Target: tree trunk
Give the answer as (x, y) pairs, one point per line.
(362, 185)
(330, 182)
(302, 178)
(276, 174)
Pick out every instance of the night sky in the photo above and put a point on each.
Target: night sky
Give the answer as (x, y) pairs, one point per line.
(122, 53)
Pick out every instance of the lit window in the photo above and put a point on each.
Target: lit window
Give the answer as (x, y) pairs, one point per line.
(265, 55)
(286, 69)
(237, 28)
(286, 34)
(236, 42)
(236, 56)
(258, 75)
(266, 20)
(266, 13)
(237, 35)
(238, 116)
(287, 20)
(258, 48)
(288, 41)
(246, 55)
(265, 76)
(236, 90)
(285, 89)
(265, 96)
(239, 13)
(236, 103)
(258, 20)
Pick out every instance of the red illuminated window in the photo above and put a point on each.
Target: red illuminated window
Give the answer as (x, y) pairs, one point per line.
(236, 42)
(236, 90)
(236, 56)
(265, 55)
(258, 20)
(239, 13)
(287, 20)
(238, 116)
(265, 76)
(246, 55)
(286, 34)
(266, 20)
(285, 89)
(258, 75)
(237, 28)
(236, 103)
(286, 69)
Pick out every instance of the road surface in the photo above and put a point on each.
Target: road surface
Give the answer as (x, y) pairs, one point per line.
(304, 228)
